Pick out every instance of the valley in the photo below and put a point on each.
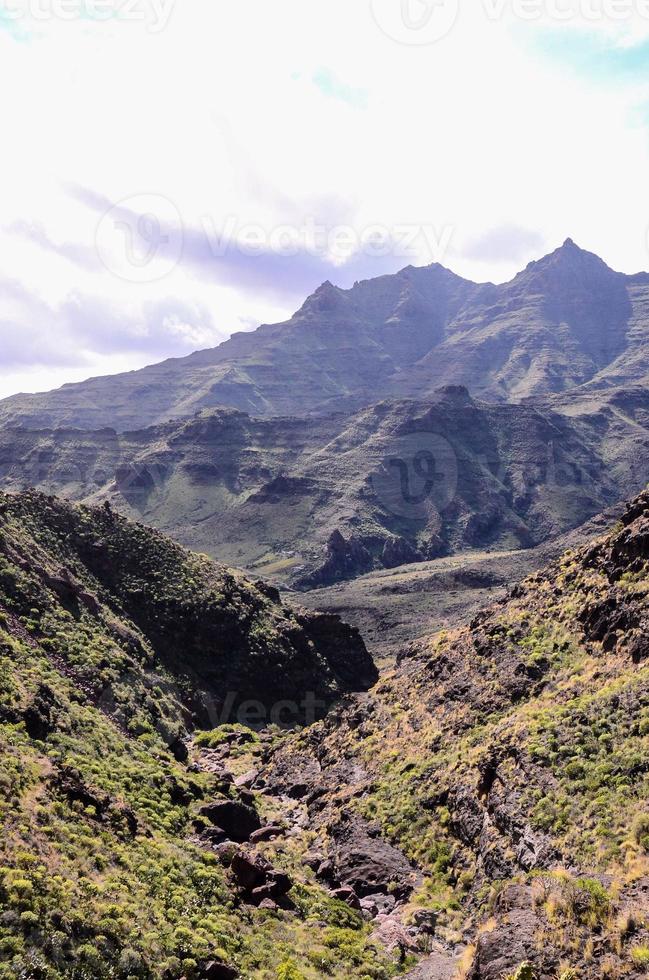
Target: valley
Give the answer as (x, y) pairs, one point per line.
(324, 652)
(440, 822)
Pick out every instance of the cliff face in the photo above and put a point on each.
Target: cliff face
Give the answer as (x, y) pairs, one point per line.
(314, 502)
(507, 761)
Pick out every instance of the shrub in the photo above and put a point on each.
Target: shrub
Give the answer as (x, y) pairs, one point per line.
(640, 956)
(287, 970)
(640, 831)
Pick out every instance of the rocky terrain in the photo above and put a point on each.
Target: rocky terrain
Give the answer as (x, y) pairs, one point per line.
(565, 321)
(310, 502)
(202, 780)
(486, 802)
(120, 654)
(478, 813)
(393, 608)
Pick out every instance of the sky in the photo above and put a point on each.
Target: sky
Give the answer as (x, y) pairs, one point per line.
(178, 170)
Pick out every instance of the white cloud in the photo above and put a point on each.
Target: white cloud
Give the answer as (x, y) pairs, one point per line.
(291, 114)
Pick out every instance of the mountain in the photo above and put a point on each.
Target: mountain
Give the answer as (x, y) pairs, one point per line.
(478, 813)
(566, 320)
(124, 663)
(309, 502)
(487, 801)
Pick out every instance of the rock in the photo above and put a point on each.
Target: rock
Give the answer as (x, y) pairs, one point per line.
(265, 834)
(398, 551)
(348, 896)
(368, 864)
(638, 645)
(216, 970)
(314, 860)
(257, 878)
(249, 873)
(213, 836)
(369, 907)
(426, 921)
(467, 816)
(39, 716)
(384, 903)
(293, 774)
(91, 602)
(280, 882)
(513, 941)
(246, 797)
(237, 820)
(179, 750)
(246, 781)
(225, 852)
(345, 559)
(392, 933)
(268, 904)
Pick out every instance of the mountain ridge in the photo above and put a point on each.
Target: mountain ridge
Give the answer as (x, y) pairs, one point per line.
(564, 321)
(312, 501)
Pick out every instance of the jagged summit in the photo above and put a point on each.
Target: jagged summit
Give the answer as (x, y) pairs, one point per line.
(569, 254)
(560, 323)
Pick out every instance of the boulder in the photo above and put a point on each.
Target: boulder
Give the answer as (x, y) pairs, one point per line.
(426, 921)
(236, 820)
(348, 896)
(216, 970)
(258, 880)
(366, 862)
(265, 834)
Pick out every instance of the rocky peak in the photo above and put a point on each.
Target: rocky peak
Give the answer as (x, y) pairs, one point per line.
(326, 299)
(569, 258)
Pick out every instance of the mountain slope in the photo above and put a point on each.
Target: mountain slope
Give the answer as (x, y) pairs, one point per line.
(311, 502)
(564, 321)
(217, 634)
(508, 761)
(114, 644)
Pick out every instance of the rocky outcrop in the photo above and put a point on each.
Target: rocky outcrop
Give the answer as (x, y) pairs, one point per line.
(258, 882)
(236, 820)
(345, 558)
(360, 859)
